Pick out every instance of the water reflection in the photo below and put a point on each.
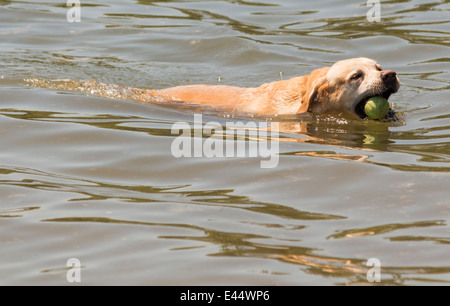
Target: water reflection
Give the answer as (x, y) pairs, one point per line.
(363, 137)
(234, 244)
(385, 228)
(437, 240)
(396, 23)
(16, 212)
(96, 191)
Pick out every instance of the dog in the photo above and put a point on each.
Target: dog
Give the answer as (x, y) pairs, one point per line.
(342, 88)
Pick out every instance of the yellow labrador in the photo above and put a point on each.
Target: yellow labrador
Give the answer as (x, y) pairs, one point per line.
(343, 87)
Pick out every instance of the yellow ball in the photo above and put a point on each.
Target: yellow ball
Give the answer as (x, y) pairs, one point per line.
(377, 108)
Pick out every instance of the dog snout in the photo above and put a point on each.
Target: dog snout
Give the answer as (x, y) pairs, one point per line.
(389, 78)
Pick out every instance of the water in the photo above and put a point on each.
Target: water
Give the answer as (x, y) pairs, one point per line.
(93, 178)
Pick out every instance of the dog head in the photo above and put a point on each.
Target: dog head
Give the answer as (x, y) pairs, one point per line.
(346, 86)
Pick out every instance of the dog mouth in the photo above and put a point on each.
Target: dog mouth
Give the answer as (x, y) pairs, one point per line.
(359, 108)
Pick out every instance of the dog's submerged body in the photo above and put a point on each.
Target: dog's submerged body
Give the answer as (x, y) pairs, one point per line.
(343, 87)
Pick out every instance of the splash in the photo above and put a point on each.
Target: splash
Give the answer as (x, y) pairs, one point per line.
(103, 90)
(132, 94)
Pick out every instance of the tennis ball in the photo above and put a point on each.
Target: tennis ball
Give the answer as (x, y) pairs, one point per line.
(376, 108)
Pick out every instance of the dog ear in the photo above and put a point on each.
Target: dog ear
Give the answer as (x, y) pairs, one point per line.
(316, 89)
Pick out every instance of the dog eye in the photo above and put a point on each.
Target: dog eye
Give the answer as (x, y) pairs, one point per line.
(379, 68)
(356, 76)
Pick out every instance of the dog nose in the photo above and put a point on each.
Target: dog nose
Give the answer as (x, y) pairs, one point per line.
(389, 77)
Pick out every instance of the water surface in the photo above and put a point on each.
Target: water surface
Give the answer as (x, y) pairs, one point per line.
(94, 178)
